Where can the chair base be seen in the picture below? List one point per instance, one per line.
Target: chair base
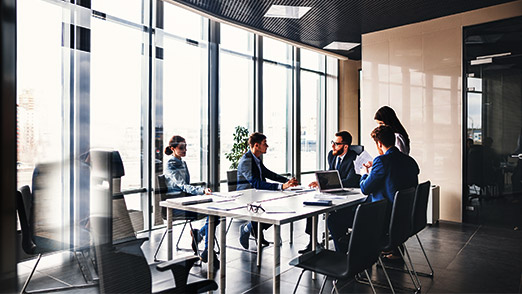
(83, 267)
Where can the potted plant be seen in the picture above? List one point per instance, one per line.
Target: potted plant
(238, 149)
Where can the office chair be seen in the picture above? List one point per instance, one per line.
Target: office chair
(419, 220)
(162, 191)
(400, 228)
(125, 269)
(364, 249)
(357, 148)
(40, 246)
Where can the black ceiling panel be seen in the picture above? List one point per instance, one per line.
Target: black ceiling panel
(334, 20)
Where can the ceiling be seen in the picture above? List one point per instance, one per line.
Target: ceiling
(334, 20)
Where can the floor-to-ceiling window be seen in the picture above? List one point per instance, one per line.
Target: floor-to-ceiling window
(236, 88)
(312, 111)
(93, 77)
(277, 103)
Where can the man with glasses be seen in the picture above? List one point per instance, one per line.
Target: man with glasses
(339, 158)
(252, 173)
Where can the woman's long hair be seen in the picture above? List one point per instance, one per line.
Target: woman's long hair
(387, 115)
(174, 142)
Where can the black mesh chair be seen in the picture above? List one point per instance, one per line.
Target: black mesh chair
(358, 149)
(125, 269)
(162, 190)
(400, 229)
(419, 217)
(24, 207)
(364, 249)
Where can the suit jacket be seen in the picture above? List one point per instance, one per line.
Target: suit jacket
(391, 172)
(248, 175)
(347, 172)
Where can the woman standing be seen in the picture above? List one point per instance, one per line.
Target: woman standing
(178, 182)
(386, 116)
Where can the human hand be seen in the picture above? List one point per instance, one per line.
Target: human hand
(313, 184)
(291, 183)
(207, 191)
(367, 166)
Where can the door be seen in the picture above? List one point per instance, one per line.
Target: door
(493, 112)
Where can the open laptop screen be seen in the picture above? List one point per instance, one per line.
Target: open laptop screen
(328, 180)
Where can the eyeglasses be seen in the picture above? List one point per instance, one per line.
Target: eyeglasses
(182, 146)
(255, 208)
(337, 144)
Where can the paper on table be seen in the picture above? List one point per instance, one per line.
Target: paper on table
(278, 209)
(227, 194)
(364, 157)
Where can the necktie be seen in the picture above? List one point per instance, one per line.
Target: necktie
(338, 163)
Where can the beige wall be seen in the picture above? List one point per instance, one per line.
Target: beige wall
(417, 70)
(349, 97)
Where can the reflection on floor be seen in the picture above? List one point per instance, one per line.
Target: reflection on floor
(500, 210)
(466, 259)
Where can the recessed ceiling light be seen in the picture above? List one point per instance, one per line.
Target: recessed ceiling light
(341, 46)
(287, 11)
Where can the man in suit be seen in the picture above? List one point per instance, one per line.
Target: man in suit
(390, 172)
(252, 173)
(339, 158)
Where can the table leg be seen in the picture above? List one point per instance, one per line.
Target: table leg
(326, 232)
(211, 232)
(169, 233)
(259, 246)
(314, 238)
(223, 254)
(277, 259)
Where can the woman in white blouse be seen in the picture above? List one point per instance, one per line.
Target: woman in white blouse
(386, 116)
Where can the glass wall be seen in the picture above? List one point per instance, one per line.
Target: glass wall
(277, 104)
(236, 88)
(110, 82)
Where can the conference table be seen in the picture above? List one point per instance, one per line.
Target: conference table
(278, 208)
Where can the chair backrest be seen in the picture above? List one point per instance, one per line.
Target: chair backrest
(400, 221)
(120, 269)
(232, 180)
(420, 207)
(357, 148)
(23, 206)
(367, 236)
(162, 191)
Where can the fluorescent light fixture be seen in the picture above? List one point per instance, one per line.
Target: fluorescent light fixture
(287, 11)
(481, 61)
(346, 46)
(494, 55)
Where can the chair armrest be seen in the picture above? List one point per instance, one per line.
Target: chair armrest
(185, 261)
(180, 268)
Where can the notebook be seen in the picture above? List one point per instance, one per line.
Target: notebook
(329, 181)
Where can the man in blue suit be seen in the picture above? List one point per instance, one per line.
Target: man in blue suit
(339, 158)
(390, 172)
(252, 173)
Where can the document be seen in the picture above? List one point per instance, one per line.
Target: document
(229, 205)
(227, 194)
(362, 158)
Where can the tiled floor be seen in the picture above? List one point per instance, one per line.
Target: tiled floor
(466, 259)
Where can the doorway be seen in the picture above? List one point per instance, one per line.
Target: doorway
(493, 123)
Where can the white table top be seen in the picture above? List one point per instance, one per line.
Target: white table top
(281, 206)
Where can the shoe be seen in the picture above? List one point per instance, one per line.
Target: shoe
(392, 258)
(309, 248)
(306, 249)
(264, 242)
(204, 258)
(196, 239)
(243, 236)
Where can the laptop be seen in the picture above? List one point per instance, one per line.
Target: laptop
(329, 181)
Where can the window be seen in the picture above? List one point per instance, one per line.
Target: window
(236, 88)
(277, 104)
